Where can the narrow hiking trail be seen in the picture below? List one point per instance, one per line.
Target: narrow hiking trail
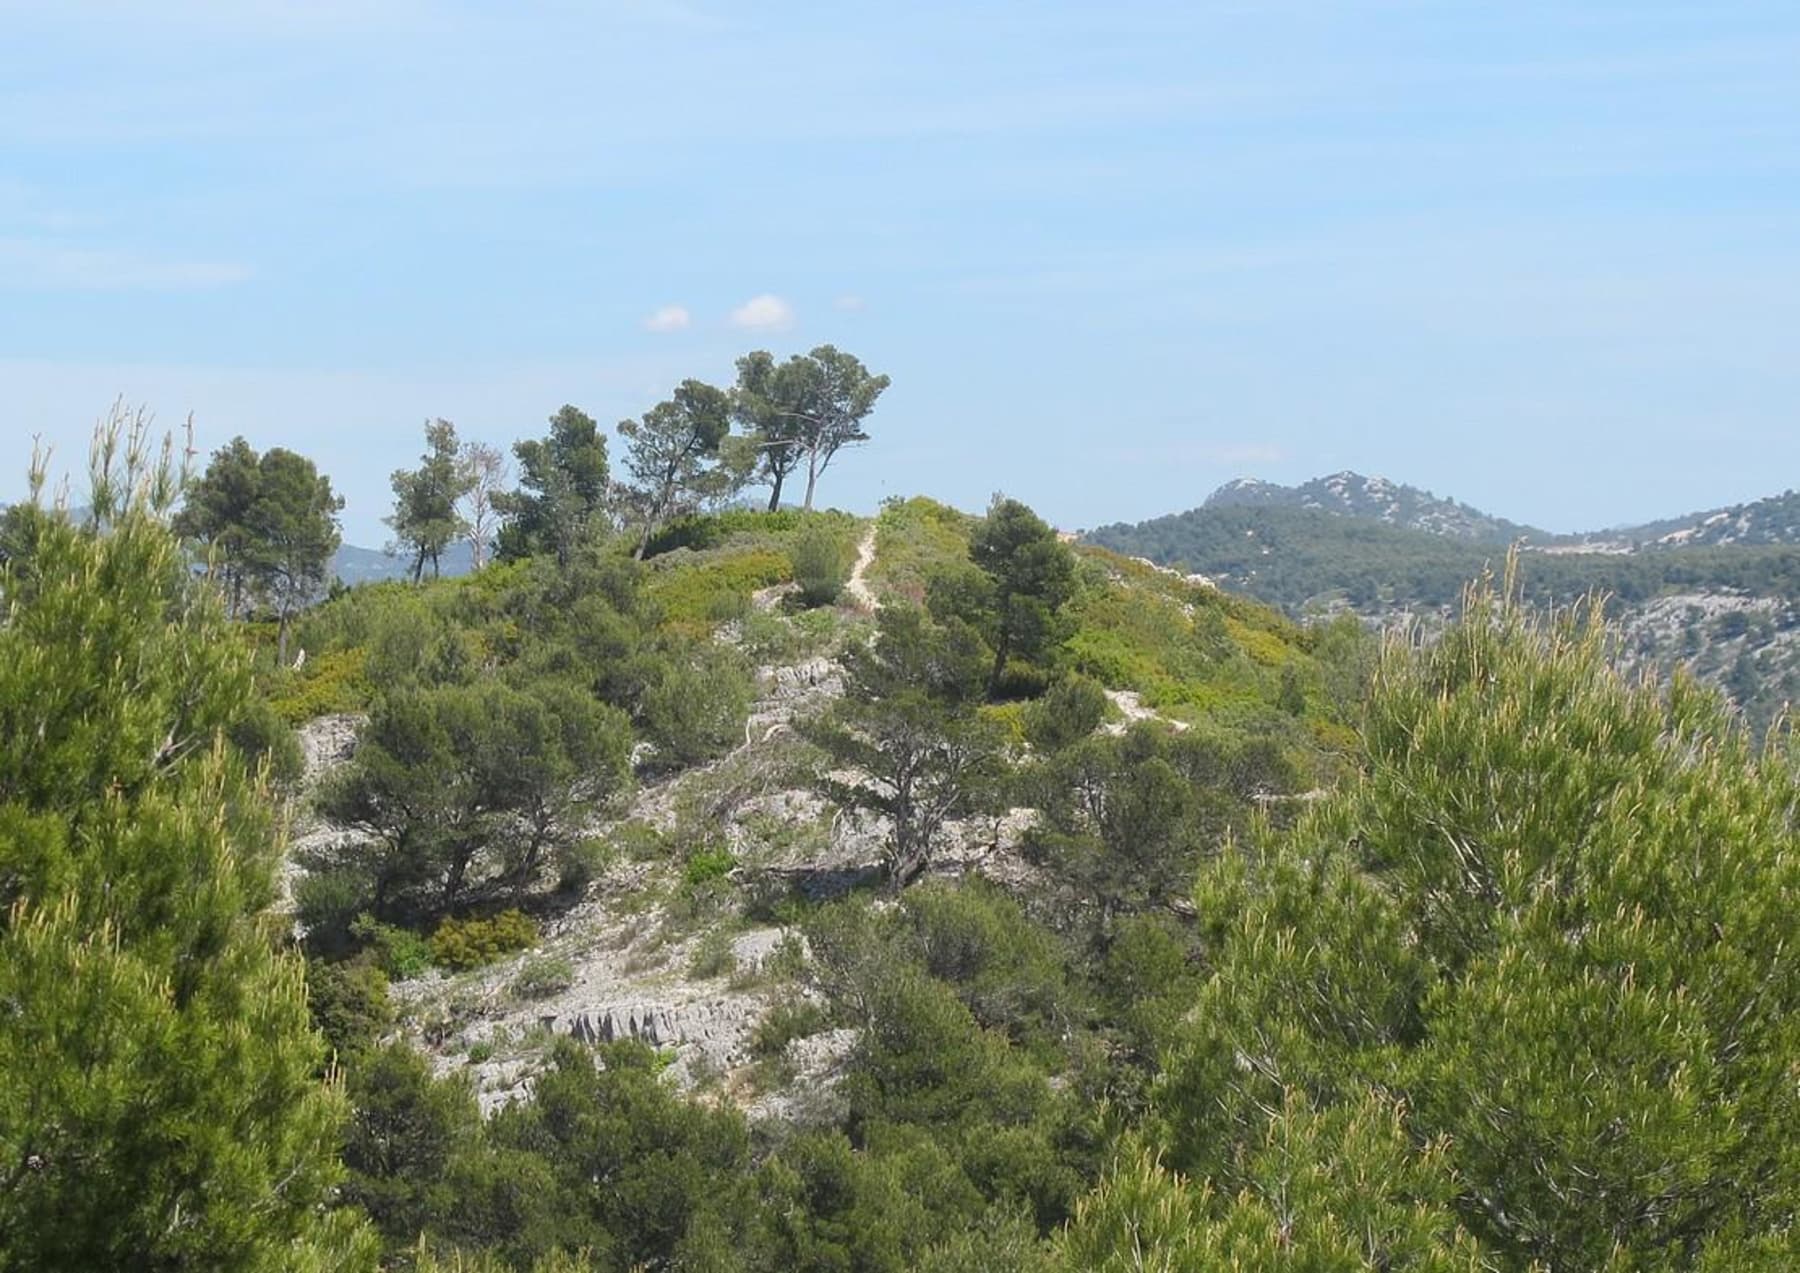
(858, 586)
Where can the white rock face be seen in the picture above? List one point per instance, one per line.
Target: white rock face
(813, 1098)
(326, 743)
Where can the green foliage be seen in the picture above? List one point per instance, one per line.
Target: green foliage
(580, 862)
(922, 1059)
(292, 533)
(159, 1099)
(1013, 593)
(425, 517)
(562, 490)
(707, 863)
(713, 957)
(819, 566)
(460, 944)
(1009, 971)
(350, 1004)
(789, 1019)
(410, 1135)
(448, 778)
(333, 684)
(736, 527)
(1292, 556)
(1547, 920)
(695, 709)
(216, 515)
(399, 952)
(542, 977)
(907, 721)
(262, 737)
(1336, 1189)
(915, 540)
(801, 413)
(676, 458)
(1070, 712)
(699, 594)
(674, 1171)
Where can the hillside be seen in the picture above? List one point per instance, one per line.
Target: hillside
(1773, 520)
(707, 862)
(1728, 609)
(1375, 499)
(889, 895)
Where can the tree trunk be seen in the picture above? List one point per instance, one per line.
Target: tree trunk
(1001, 650)
(281, 633)
(528, 864)
(775, 495)
(812, 477)
(453, 879)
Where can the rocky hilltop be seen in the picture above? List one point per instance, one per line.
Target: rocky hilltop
(1378, 499)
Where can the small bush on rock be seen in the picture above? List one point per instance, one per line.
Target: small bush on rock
(460, 944)
(818, 561)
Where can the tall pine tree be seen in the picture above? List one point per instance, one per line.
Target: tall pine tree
(160, 1105)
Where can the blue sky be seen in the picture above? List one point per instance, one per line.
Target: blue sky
(1543, 256)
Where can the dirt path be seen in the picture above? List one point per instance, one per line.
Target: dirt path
(858, 586)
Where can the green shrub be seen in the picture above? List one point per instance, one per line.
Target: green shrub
(696, 708)
(332, 684)
(694, 595)
(640, 841)
(789, 1019)
(460, 944)
(350, 1004)
(400, 952)
(327, 903)
(713, 957)
(542, 977)
(1021, 681)
(581, 862)
(770, 637)
(707, 864)
(917, 538)
(818, 565)
(701, 532)
(1071, 711)
(262, 735)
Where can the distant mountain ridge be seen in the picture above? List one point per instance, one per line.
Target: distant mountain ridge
(1349, 494)
(1716, 592)
(1775, 519)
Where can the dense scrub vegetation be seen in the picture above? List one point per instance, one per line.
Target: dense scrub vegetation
(1469, 957)
(1290, 557)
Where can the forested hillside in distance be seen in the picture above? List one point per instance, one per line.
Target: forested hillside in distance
(1379, 500)
(700, 887)
(1729, 612)
(1290, 557)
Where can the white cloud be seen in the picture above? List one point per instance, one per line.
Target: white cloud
(670, 318)
(765, 313)
(850, 303)
(50, 265)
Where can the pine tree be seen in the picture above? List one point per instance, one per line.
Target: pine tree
(563, 485)
(159, 1100)
(1552, 922)
(426, 514)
